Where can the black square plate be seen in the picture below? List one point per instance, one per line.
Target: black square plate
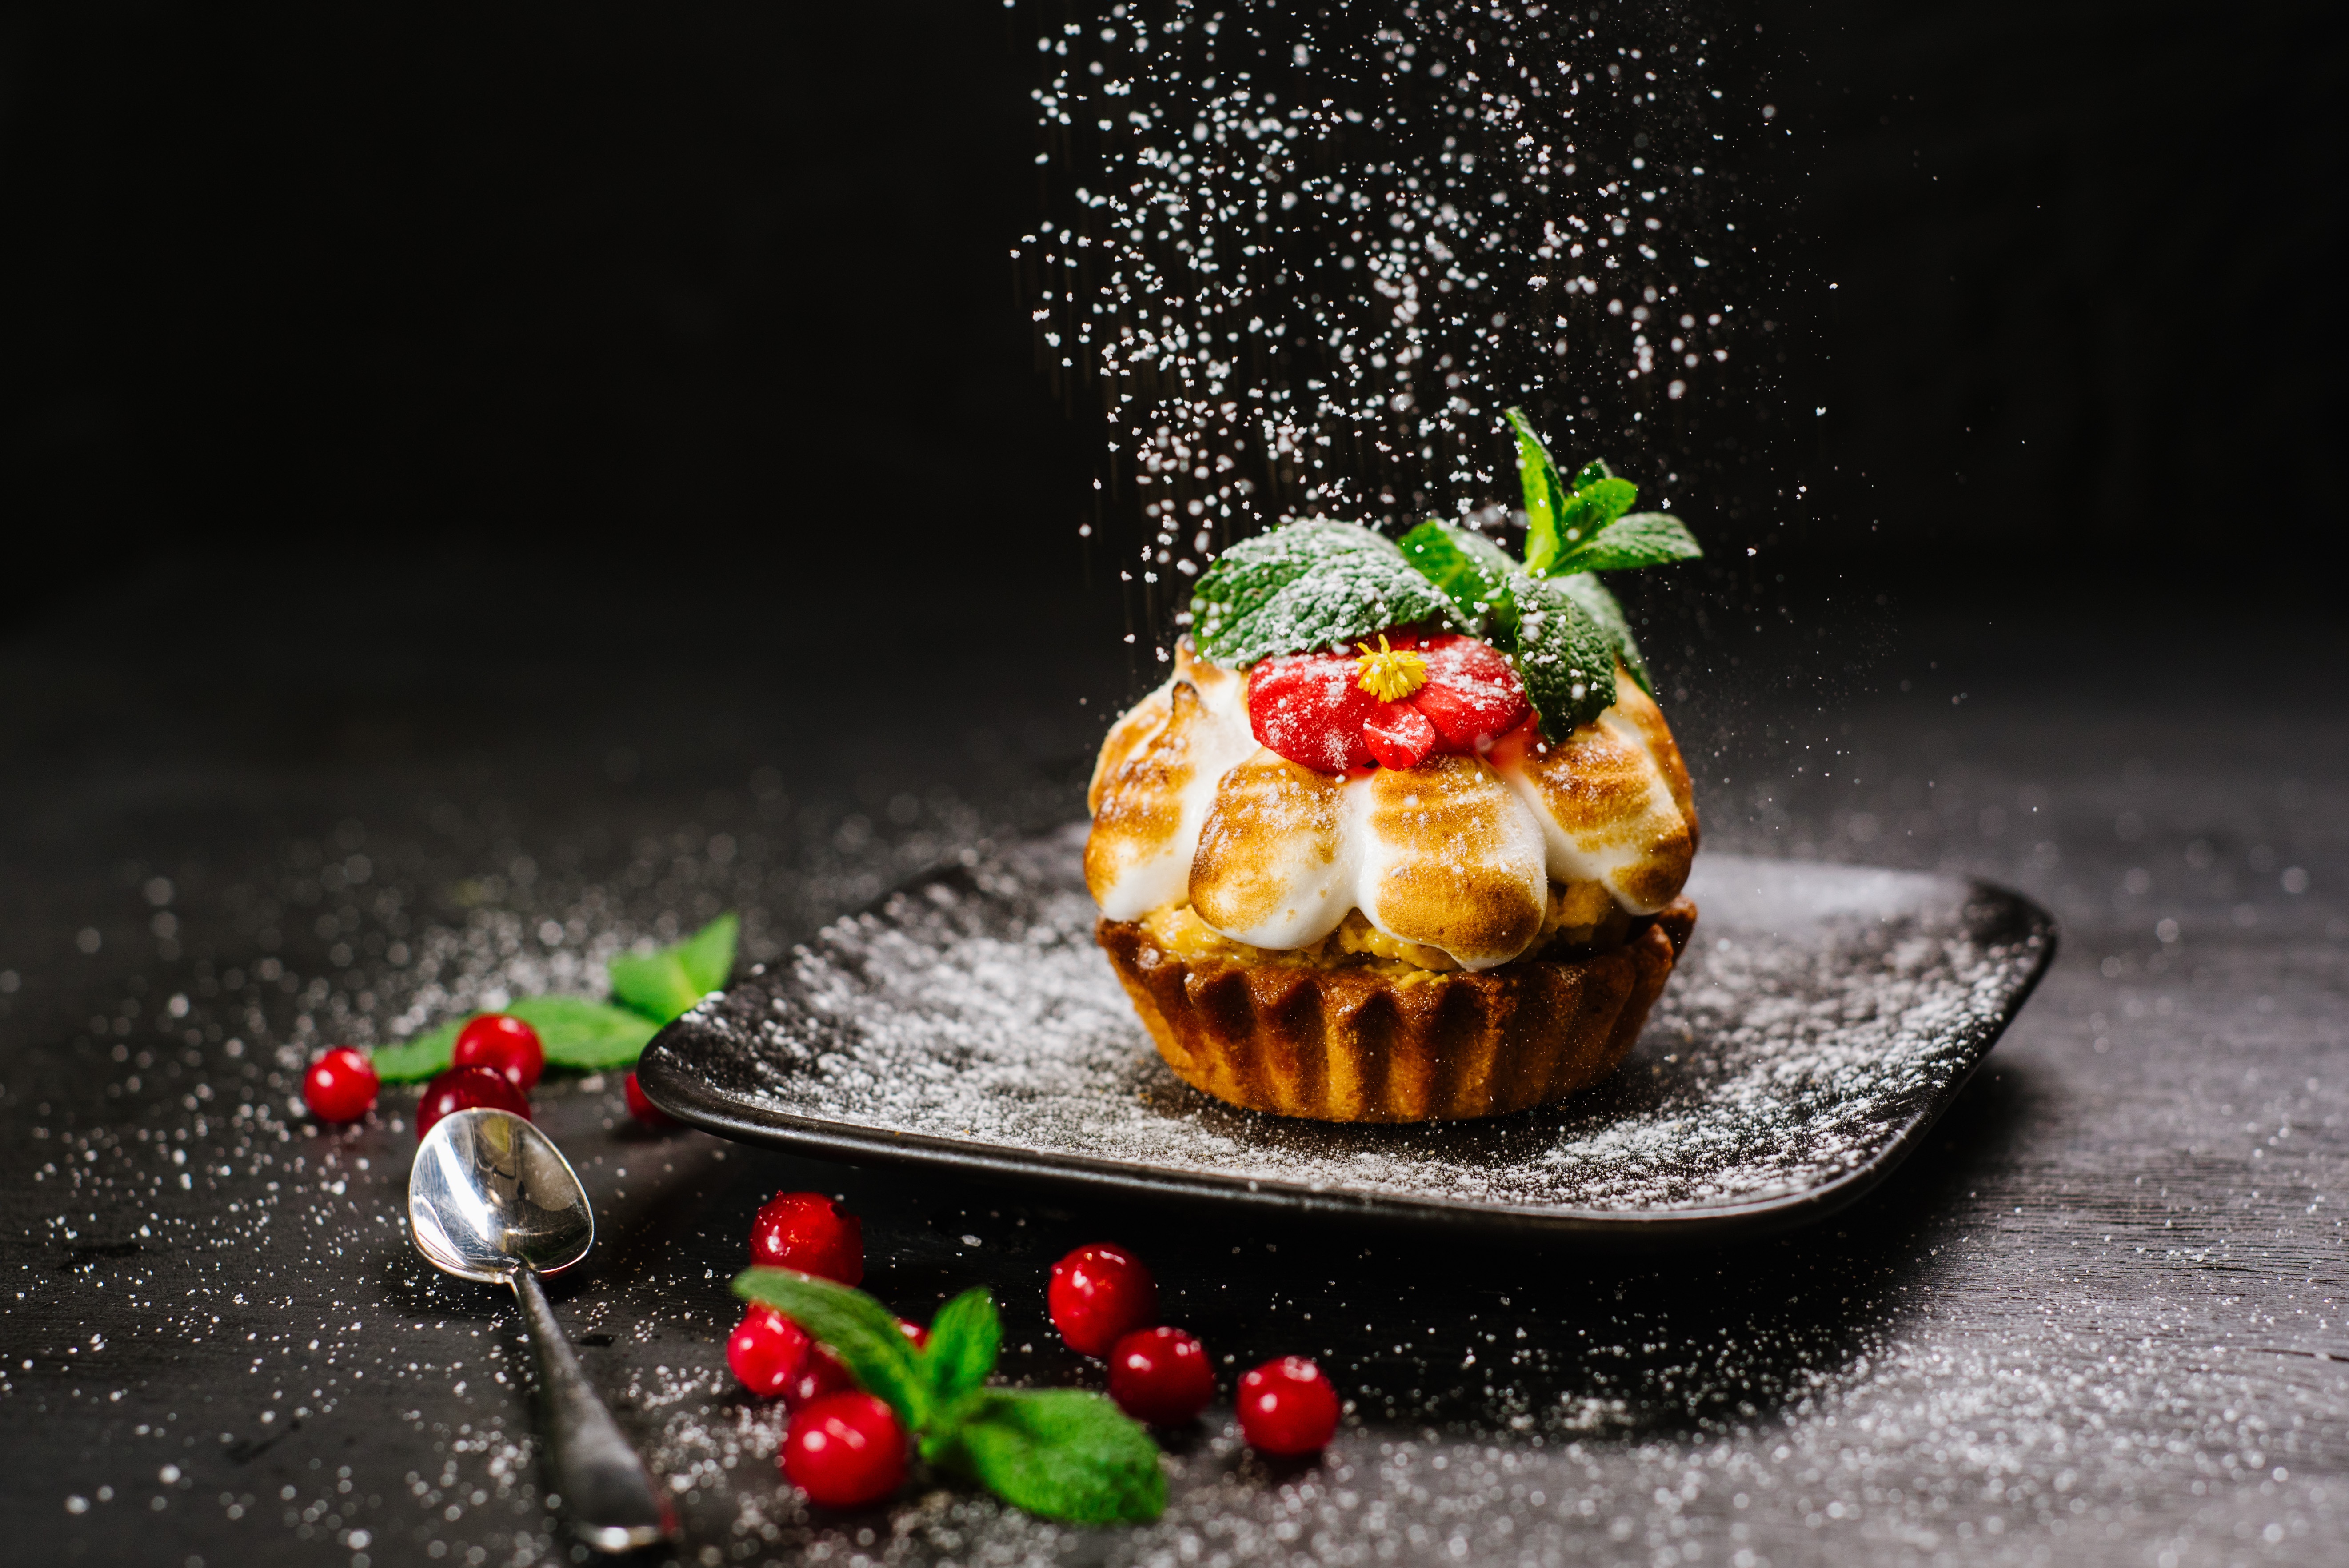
(1821, 1019)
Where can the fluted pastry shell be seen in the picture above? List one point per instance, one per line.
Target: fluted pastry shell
(1378, 1043)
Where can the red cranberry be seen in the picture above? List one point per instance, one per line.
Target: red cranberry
(1161, 1376)
(845, 1451)
(1097, 1296)
(501, 1041)
(340, 1086)
(766, 1351)
(819, 1375)
(802, 1231)
(1472, 696)
(915, 1332)
(1286, 1406)
(1399, 735)
(641, 1106)
(1309, 708)
(463, 1088)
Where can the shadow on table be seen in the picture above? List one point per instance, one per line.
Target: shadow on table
(1467, 1336)
(1485, 1336)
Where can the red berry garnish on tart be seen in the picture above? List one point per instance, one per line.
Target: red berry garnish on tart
(340, 1086)
(503, 1042)
(1286, 1406)
(1411, 697)
(1161, 1376)
(820, 1374)
(766, 1351)
(464, 1088)
(641, 1106)
(1309, 708)
(1099, 1295)
(845, 1451)
(803, 1230)
(1472, 696)
(1399, 735)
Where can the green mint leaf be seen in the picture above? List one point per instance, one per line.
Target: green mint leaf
(1564, 657)
(854, 1327)
(1588, 511)
(1546, 499)
(1307, 586)
(1471, 570)
(1600, 607)
(583, 1036)
(708, 955)
(1592, 472)
(665, 984)
(1059, 1453)
(588, 1036)
(418, 1057)
(964, 1339)
(1642, 539)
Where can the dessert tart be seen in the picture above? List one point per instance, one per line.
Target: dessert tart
(1404, 835)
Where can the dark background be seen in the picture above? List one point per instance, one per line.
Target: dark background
(592, 302)
(554, 440)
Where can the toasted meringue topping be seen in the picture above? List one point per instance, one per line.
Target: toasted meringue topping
(1271, 869)
(1147, 827)
(1451, 861)
(1462, 854)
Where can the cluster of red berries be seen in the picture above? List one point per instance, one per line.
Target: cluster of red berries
(1103, 1300)
(496, 1059)
(844, 1447)
(495, 1062)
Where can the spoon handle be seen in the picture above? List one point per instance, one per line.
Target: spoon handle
(611, 1499)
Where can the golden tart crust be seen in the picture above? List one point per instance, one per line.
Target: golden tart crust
(1363, 1042)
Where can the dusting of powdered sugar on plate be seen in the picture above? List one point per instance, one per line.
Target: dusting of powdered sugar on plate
(1819, 1014)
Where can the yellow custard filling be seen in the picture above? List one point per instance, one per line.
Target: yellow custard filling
(1581, 915)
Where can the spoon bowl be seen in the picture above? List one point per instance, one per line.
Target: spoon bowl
(489, 1191)
(491, 1199)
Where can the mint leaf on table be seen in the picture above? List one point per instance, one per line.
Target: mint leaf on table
(1062, 1453)
(1641, 539)
(578, 1034)
(1307, 586)
(859, 1330)
(1471, 570)
(965, 1336)
(664, 984)
(420, 1056)
(1564, 657)
(586, 1036)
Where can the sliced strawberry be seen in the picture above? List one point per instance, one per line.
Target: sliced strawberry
(1472, 696)
(1309, 708)
(1399, 735)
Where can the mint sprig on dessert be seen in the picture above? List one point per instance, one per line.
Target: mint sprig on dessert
(1308, 586)
(586, 1036)
(1322, 584)
(1062, 1453)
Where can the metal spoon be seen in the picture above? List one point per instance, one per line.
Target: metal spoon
(489, 1198)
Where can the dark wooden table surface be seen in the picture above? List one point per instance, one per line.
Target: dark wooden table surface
(2100, 1319)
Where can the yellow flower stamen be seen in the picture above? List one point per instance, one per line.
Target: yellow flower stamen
(1390, 675)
